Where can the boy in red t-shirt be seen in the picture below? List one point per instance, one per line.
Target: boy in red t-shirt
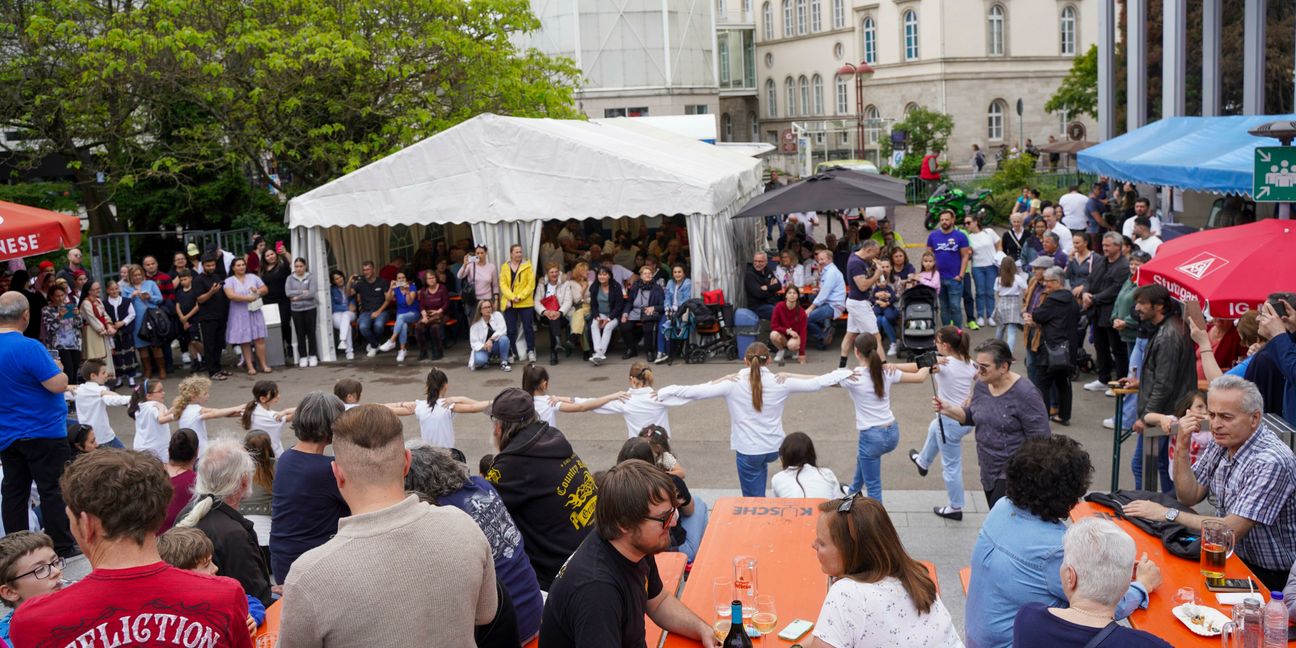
(116, 501)
(190, 549)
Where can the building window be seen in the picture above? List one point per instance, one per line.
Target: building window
(872, 124)
(995, 35)
(805, 95)
(845, 137)
(870, 40)
(910, 107)
(755, 126)
(911, 35)
(839, 13)
(842, 93)
(818, 139)
(817, 87)
(771, 99)
(722, 49)
(816, 15)
(747, 12)
(625, 112)
(721, 9)
(801, 16)
(787, 18)
(790, 91)
(772, 137)
(726, 128)
(767, 17)
(1068, 31)
(696, 109)
(995, 120)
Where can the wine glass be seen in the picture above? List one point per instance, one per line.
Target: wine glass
(765, 618)
(723, 596)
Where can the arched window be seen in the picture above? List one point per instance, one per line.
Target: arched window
(1068, 35)
(995, 31)
(817, 90)
(995, 120)
(911, 35)
(839, 13)
(842, 92)
(805, 95)
(910, 107)
(872, 124)
(726, 128)
(789, 87)
(870, 40)
(787, 18)
(801, 16)
(755, 127)
(816, 15)
(771, 99)
(767, 18)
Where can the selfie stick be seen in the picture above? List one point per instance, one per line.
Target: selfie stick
(940, 418)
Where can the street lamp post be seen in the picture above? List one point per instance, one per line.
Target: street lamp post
(861, 72)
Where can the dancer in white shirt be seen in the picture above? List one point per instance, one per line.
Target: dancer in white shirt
(436, 410)
(535, 381)
(93, 400)
(258, 415)
(642, 407)
(190, 408)
(152, 419)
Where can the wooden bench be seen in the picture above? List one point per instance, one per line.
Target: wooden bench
(931, 571)
(965, 577)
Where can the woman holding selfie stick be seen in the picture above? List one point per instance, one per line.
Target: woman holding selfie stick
(952, 379)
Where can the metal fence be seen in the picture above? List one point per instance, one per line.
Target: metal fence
(918, 190)
(109, 252)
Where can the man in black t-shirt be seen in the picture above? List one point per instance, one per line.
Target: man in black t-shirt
(372, 316)
(213, 310)
(601, 595)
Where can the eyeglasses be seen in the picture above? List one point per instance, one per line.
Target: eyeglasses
(43, 570)
(982, 367)
(667, 521)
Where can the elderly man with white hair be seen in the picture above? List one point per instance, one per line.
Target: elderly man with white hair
(1250, 476)
(1096, 559)
(224, 479)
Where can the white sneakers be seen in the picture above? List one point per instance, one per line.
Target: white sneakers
(387, 346)
(1109, 423)
(891, 350)
(661, 358)
(342, 345)
(301, 364)
(530, 356)
(350, 355)
(313, 361)
(1095, 386)
(981, 321)
(992, 321)
(778, 357)
(400, 356)
(184, 357)
(503, 365)
(371, 352)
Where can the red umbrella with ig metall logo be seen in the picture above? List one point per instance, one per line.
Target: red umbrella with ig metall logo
(1229, 270)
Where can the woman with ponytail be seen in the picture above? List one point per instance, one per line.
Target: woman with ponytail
(953, 377)
(642, 407)
(191, 411)
(257, 414)
(152, 432)
(436, 411)
(755, 397)
(535, 381)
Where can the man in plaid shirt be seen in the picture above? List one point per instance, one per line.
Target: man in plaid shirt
(1249, 475)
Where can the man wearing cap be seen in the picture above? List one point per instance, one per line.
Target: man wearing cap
(545, 486)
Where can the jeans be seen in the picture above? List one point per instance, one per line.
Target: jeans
(985, 277)
(115, 443)
(516, 317)
(819, 322)
(342, 322)
(886, 319)
(374, 329)
(404, 322)
(951, 452)
(1008, 334)
(752, 472)
(951, 302)
(873, 443)
(41, 461)
(763, 311)
(693, 525)
(499, 349)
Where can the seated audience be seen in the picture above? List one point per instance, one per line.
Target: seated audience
(488, 337)
(192, 551)
(641, 315)
(687, 535)
(431, 560)
(305, 503)
(611, 581)
(880, 596)
(1018, 554)
(788, 327)
(182, 454)
(1096, 555)
(801, 475)
(761, 286)
(28, 567)
(116, 500)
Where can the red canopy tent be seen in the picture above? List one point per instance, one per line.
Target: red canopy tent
(1230, 270)
(28, 231)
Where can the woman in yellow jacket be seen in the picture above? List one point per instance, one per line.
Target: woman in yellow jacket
(517, 298)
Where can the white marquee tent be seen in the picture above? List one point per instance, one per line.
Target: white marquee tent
(505, 176)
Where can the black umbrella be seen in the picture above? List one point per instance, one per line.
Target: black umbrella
(835, 188)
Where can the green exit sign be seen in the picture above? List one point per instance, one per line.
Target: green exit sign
(1275, 174)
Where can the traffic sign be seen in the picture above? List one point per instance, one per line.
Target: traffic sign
(1275, 174)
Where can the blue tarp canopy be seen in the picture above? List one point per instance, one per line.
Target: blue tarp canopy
(1214, 154)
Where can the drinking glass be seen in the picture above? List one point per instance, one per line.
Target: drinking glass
(1216, 546)
(1185, 595)
(723, 595)
(267, 640)
(766, 618)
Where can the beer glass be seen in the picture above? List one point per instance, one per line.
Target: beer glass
(1216, 547)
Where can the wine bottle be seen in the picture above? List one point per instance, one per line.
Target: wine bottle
(737, 637)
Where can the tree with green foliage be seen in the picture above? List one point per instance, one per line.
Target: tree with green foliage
(926, 130)
(1078, 93)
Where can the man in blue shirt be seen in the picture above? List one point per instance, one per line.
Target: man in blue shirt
(953, 253)
(829, 303)
(33, 426)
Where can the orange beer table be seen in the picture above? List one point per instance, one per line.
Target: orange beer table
(1177, 572)
(778, 533)
(268, 634)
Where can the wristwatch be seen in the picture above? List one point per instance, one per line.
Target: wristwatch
(1171, 514)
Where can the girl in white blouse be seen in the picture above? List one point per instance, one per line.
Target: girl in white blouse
(436, 411)
(801, 475)
(755, 397)
(190, 408)
(258, 415)
(152, 432)
(535, 381)
(643, 407)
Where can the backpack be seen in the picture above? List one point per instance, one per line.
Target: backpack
(698, 312)
(156, 327)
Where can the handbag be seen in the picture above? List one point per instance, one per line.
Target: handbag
(550, 303)
(156, 327)
(255, 305)
(1057, 356)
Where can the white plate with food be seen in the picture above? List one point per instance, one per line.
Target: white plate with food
(1201, 619)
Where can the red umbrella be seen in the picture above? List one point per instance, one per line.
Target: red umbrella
(1230, 270)
(28, 231)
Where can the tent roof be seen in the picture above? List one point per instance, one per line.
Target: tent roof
(493, 169)
(1214, 154)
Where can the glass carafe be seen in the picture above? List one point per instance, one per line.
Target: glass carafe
(744, 583)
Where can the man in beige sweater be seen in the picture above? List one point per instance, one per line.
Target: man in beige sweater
(399, 572)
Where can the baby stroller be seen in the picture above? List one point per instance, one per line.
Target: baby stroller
(711, 331)
(677, 330)
(919, 319)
